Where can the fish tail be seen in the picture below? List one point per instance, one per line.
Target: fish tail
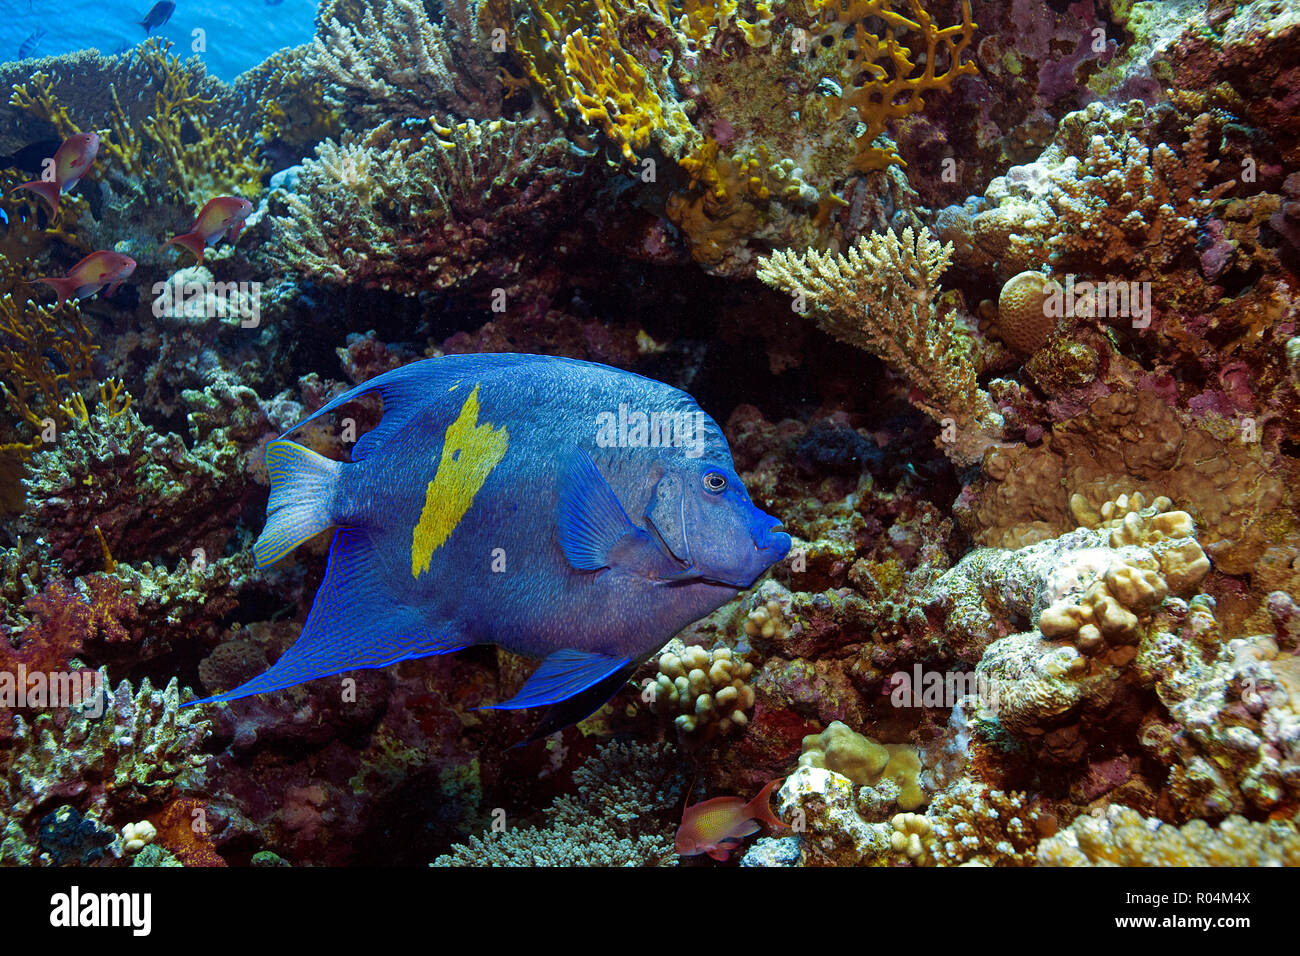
(302, 487)
(759, 807)
(188, 240)
(47, 190)
(63, 286)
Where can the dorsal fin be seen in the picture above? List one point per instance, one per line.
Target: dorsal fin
(404, 390)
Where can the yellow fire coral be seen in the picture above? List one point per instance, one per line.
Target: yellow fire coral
(885, 80)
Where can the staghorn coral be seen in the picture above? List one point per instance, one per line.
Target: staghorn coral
(424, 206)
(617, 817)
(393, 61)
(709, 691)
(1121, 836)
(881, 297)
(142, 750)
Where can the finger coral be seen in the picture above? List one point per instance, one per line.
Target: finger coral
(707, 690)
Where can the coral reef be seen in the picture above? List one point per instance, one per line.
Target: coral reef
(1123, 837)
(426, 206)
(615, 819)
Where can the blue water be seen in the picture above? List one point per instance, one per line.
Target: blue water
(239, 33)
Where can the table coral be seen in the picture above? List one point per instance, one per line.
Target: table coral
(393, 61)
(1120, 836)
(881, 297)
(426, 206)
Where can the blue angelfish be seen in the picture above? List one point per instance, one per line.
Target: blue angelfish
(560, 509)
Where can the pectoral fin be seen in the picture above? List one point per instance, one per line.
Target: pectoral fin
(563, 675)
(589, 519)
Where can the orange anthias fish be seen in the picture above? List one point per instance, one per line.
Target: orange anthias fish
(72, 160)
(91, 274)
(718, 826)
(224, 215)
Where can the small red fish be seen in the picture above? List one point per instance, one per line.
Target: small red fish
(91, 274)
(72, 160)
(718, 826)
(223, 215)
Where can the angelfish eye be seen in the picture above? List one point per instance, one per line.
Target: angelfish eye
(715, 483)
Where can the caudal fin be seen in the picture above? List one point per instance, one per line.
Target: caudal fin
(760, 809)
(47, 190)
(64, 287)
(302, 487)
(189, 240)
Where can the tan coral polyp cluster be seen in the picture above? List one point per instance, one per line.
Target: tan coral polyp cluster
(708, 690)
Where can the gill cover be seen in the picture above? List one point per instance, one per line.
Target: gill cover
(667, 515)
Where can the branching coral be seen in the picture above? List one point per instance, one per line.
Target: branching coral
(183, 151)
(395, 62)
(882, 297)
(427, 206)
(1120, 836)
(48, 355)
(146, 492)
(143, 749)
(618, 817)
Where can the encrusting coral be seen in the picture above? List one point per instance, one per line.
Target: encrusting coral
(882, 296)
(1121, 836)
(843, 750)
